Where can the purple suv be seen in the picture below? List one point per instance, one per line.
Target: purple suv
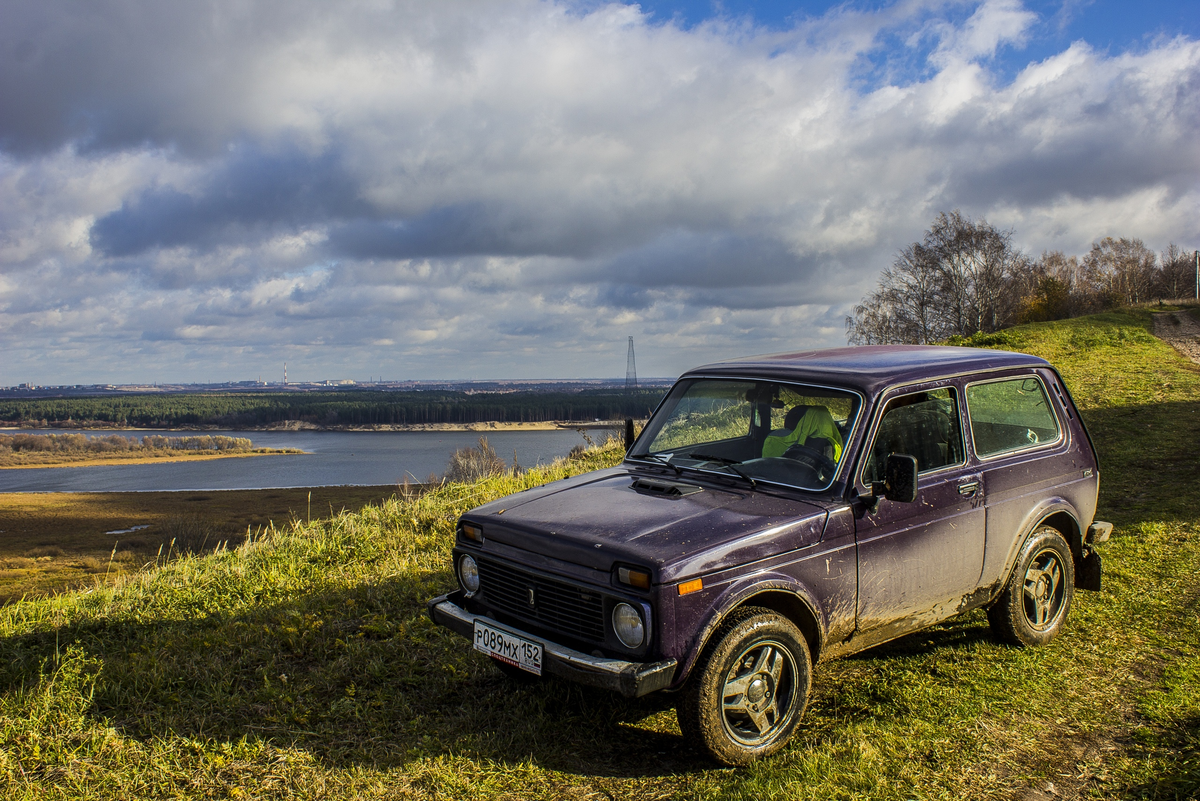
(781, 510)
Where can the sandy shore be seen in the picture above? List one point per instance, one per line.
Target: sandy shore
(483, 427)
(491, 426)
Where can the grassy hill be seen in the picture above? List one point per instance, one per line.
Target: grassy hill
(301, 664)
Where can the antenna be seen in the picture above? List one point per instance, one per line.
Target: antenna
(630, 369)
(285, 374)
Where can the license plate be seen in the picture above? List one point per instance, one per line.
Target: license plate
(508, 647)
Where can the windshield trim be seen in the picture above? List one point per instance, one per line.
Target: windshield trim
(842, 467)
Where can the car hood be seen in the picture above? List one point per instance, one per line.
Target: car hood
(622, 515)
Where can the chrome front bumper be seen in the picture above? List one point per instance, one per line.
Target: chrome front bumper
(630, 679)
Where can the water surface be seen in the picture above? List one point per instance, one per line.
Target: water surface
(331, 458)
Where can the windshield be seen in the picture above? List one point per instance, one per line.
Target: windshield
(759, 430)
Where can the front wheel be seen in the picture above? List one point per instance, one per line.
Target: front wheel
(1034, 604)
(749, 688)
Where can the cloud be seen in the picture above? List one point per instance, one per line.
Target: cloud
(993, 23)
(512, 188)
(247, 196)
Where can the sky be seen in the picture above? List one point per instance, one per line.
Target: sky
(203, 191)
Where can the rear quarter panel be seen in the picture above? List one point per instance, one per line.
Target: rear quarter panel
(1024, 488)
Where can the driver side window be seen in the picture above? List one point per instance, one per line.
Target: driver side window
(921, 424)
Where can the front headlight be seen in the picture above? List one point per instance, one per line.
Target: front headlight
(468, 574)
(627, 623)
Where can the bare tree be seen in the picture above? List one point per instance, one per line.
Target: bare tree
(1126, 270)
(904, 308)
(956, 281)
(1177, 278)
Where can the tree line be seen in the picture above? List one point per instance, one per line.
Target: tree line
(966, 277)
(78, 443)
(344, 408)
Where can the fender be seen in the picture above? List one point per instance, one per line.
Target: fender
(745, 589)
(1039, 514)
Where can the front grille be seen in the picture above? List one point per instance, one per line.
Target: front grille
(567, 608)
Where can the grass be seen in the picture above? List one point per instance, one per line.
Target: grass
(301, 663)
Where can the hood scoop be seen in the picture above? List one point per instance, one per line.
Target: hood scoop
(666, 489)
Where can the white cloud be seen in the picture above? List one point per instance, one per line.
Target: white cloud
(993, 24)
(512, 188)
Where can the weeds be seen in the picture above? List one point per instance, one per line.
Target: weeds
(468, 465)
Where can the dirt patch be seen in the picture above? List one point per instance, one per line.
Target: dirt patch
(1181, 331)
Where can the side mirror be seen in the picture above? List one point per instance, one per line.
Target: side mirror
(900, 478)
(628, 433)
(899, 481)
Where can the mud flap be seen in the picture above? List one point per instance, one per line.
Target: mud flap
(1087, 572)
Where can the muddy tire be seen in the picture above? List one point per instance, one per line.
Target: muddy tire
(749, 689)
(1034, 604)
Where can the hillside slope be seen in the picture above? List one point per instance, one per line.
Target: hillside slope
(302, 665)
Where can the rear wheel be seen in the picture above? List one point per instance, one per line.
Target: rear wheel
(1034, 604)
(749, 689)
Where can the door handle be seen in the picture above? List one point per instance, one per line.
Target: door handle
(968, 488)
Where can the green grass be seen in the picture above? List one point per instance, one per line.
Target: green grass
(301, 664)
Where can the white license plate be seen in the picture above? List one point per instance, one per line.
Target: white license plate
(508, 647)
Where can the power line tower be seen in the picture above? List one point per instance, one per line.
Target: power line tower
(630, 370)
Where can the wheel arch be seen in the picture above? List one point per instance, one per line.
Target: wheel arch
(1056, 512)
(777, 593)
(1067, 525)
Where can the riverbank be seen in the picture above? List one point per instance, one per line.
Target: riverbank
(482, 428)
(40, 459)
(51, 542)
(301, 425)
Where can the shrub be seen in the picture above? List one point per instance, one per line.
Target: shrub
(468, 465)
(52, 551)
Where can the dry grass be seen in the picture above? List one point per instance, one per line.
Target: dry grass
(53, 541)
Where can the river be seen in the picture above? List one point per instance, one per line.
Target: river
(331, 458)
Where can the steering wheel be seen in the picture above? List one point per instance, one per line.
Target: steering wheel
(811, 458)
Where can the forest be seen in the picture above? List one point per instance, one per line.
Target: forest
(330, 409)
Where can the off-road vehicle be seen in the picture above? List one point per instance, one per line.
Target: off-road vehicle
(777, 511)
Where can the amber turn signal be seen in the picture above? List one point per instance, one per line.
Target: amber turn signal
(472, 532)
(634, 577)
(695, 585)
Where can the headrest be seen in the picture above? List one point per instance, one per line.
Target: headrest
(793, 417)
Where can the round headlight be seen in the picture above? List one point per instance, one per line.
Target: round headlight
(627, 623)
(468, 574)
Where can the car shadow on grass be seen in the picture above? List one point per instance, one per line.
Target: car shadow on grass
(352, 677)
(363, 677)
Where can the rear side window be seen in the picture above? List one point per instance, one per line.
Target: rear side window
(1010, 415)
(920, 424)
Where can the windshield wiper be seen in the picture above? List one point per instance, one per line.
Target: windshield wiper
(663, 460)
(725, 461)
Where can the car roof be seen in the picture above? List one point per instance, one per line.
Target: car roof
(870, 368)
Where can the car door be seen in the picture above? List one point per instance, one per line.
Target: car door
(917, 561)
